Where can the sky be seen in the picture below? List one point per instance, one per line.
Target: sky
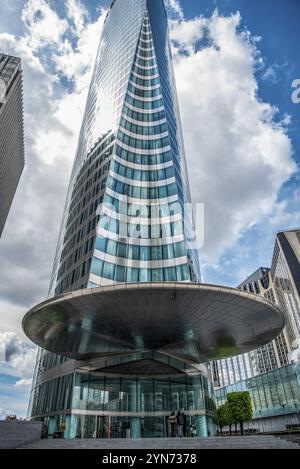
(235, 62)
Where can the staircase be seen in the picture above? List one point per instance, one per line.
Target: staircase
(233, 442)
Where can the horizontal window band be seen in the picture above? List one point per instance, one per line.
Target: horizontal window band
(145, 49)
(144, 100)
(144, 174)
(143, 137)
(143, 123)
(120, 274)
(154, 242)
(146, 41)
(138, 158)
(144, 111)
(145, 82)
(144, 105)
(145, 57)
(144, 88)
(159, 264)
(143, 144)
(144, 130)
(144, 116)
(137, 191)
(132, 220)
(143, 167)
(156, 151)
(137, 201)
(145, 67)
(133, 182)
(147, 77)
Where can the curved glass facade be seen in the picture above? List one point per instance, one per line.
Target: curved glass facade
(129, 185)
(97, 402)
(126, 215)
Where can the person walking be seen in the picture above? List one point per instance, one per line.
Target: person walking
(180, 423)
(173, 422)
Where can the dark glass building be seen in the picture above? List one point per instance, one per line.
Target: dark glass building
(279, 284)
(125, 220)
(11, 132)
(127, 324)
(275, 399)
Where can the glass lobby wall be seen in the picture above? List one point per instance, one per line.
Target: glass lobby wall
(97, 392)
(108, 395)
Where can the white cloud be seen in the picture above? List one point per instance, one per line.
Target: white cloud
(175, 8)
(23, 383)
(186, 33)
(238, 155)
(44, 27)
(20, 356)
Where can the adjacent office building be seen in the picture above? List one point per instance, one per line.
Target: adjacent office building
(285, 273)
(266, 358)
(275, 399)
(11, 132)
(272, 372)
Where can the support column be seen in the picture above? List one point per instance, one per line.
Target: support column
(71, 426)
(201, 426)
(200, 420)
(135, 422)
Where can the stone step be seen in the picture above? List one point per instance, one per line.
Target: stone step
(252, 442)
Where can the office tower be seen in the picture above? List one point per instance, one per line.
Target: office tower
(285, 273)
(11, 132)
(130, 313)
(279, 284)
(270, 356)
(275, 397)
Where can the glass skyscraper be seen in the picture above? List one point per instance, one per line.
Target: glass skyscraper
(129, 180)
(127, 324)
(125, 220)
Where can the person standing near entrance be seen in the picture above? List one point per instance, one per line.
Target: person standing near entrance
(173, 422)
(62, 427)
(180, 423)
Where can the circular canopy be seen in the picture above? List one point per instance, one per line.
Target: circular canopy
(194, 322)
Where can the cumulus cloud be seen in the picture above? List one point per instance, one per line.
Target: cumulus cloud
(19, 357)
(238, 151)
(175, 8)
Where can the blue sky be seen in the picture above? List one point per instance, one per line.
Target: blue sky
(234, 61)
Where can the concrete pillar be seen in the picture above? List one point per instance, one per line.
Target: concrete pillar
(135, 422)
(71, 426)
(201, 426)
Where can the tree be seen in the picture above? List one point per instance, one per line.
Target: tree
(240, 407)
(224, 417)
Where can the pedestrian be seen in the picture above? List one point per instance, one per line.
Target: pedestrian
(173, 422)
(180, 423)
(62, 427)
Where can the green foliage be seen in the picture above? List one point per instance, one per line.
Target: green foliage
(240, 406)
(224, 416)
